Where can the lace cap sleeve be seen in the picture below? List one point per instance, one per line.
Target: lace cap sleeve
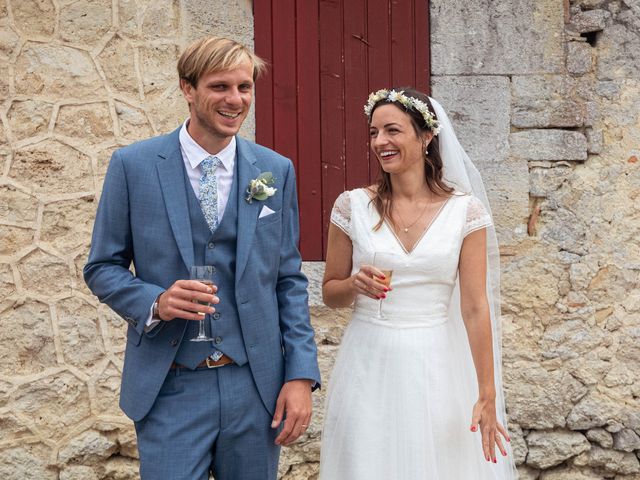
(477, 216)
(341, 213)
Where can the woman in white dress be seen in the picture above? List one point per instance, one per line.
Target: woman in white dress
(415, 392)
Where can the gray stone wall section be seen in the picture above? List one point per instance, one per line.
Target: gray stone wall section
(567, 175)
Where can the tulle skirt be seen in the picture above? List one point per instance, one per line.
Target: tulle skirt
(399, 406)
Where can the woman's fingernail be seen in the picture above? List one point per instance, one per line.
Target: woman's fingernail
(508, 439)
(495, 460)
(383, 296)
(386, 289)
(473, 428)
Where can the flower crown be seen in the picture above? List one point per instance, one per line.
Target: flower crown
(410, 103)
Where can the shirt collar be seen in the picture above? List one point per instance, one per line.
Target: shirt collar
(196, 154)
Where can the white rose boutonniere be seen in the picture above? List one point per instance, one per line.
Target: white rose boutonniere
(261, 188)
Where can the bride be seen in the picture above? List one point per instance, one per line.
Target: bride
(416, 389)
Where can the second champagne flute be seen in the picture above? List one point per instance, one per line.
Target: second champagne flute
(202, 274)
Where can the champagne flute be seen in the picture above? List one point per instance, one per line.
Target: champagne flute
(385, 262)
(202, 274)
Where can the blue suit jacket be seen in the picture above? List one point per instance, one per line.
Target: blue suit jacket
(143, 219)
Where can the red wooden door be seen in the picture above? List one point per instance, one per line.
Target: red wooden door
(325, 57)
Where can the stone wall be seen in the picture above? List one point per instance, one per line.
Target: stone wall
(79, 79)
(545, 97)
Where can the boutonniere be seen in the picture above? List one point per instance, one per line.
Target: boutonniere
(261, 188)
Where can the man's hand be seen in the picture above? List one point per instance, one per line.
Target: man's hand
(180, 300)
(294, 404)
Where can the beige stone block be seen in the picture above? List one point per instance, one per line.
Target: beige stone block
(555, 394)
(29, 118)
(78, 472)
(564, 473)
(34, 17)
(4, 141)
(26, 338)
(131, 14)
(27, 461)
(548, 449)
(104, 156)
(117, 62)
(116, 329)
(44, 274)
(57, 70)
(610, 460)
(82, 344)
(158, 69)
(4, 81)
(89, 447)
(8, 37)
(84, 23)
(302, 471)
(134, 123)
(7, 283)
(13, 239)
(52, 167)
(169, 111)
(161, 20)
(13, 430)
(89, 122)
(120, 468)
(67, 225)
(5, 390)
(55, 403)
(78, 282)
(16, 206)
(107, 387)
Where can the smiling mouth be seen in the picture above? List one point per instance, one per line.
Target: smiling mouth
(229, 114)
(387, 154)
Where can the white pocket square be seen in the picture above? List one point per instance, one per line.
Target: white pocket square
(265, 211)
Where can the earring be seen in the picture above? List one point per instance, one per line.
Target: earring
(426, 152)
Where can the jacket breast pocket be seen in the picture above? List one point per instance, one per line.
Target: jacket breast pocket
(269, 219)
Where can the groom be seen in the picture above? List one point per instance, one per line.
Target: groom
(203, 196)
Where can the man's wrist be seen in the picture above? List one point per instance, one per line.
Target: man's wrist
(156, 308)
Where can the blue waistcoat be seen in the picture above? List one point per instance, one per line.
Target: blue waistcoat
(218, 250)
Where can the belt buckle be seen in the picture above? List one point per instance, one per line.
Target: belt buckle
(210, 362)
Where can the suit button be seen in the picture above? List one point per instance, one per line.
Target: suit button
(174, 342)
(218, 340)
(211, 245)
(216, 316)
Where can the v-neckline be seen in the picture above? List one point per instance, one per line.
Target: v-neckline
(424, 232)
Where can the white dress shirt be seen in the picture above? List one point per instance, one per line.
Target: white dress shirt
(192, 156)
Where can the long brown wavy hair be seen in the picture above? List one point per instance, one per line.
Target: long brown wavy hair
(382, 191)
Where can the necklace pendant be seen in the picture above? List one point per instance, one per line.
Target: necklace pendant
(406, 230)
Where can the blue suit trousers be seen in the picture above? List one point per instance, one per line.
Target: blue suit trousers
(208, 420)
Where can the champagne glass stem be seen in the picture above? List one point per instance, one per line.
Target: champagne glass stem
(201, 333)
(380, 308)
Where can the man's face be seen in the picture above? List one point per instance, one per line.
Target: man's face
(221, 101)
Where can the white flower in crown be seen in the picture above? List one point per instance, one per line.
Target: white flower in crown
(410, 103)
(260, 188)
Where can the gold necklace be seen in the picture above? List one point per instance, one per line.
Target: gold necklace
(407, 227)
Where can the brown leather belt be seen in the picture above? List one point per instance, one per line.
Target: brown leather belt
(207, 362)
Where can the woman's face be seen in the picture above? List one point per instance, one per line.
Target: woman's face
(394, 140)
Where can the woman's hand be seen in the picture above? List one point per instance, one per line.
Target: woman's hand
(367, 282)
(484, 416)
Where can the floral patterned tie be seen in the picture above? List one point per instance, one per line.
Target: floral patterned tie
(209, 191)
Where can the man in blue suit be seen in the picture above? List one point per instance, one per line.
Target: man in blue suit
(203, 196)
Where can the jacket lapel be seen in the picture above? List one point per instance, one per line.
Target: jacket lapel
(247, 212)
(171, 175)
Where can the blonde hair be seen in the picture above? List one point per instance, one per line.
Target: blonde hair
(215, 54)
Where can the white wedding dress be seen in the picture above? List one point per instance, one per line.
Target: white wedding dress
(402, 389)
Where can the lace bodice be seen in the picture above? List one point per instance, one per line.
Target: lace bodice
(429, 271)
